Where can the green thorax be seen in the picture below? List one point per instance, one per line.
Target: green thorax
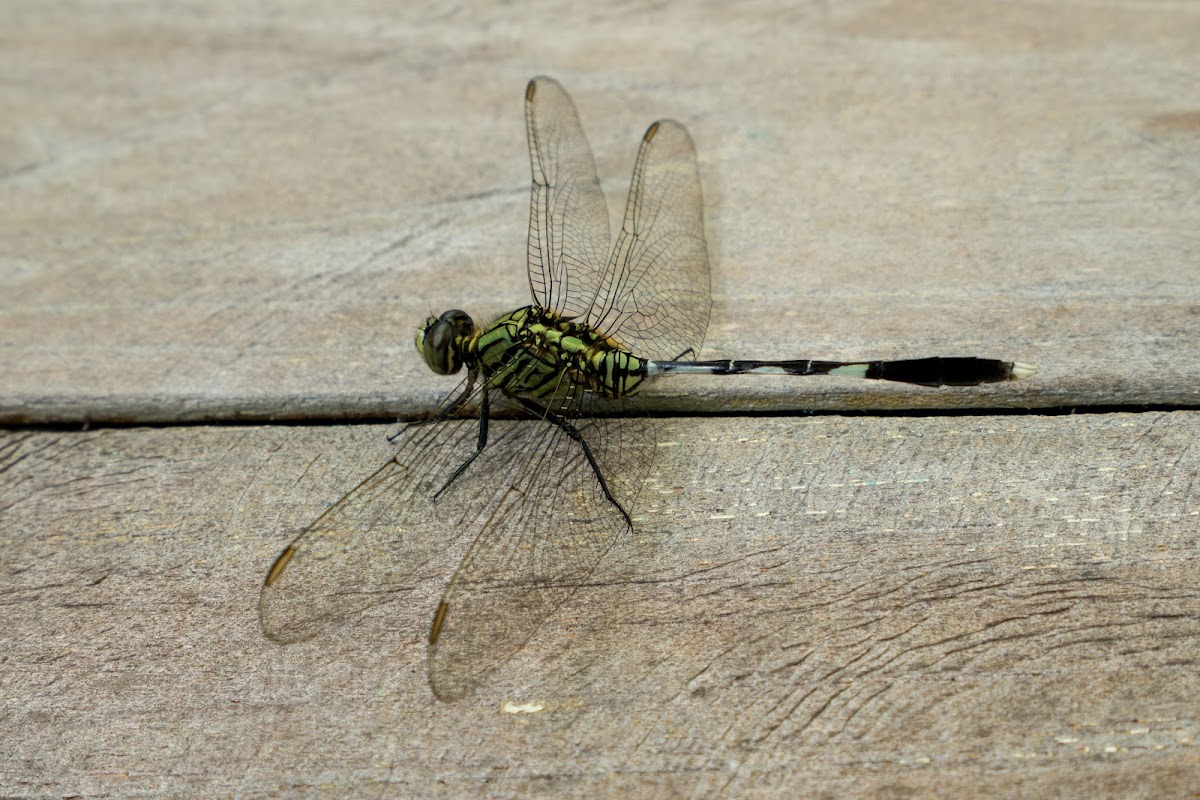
(535, 352)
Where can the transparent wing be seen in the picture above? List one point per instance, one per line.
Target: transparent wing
(549, 526)
(530, 506)
(656, 294)
(568, 218)
(369, 545)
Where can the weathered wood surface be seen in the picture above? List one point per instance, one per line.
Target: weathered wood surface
(247, 215)
(916, 607)
(244, 213)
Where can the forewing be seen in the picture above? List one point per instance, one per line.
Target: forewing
(551, 526)
(568, 218)
(657, 297)
(369, 545)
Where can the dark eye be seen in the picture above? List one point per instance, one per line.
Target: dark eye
(437, 341)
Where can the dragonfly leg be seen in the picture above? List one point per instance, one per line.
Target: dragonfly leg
(573, 432)
(450, 410)
(480, 443)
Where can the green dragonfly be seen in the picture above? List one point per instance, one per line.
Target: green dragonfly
(539, 481)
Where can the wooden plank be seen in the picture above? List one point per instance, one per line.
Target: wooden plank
(820, 605)
(249, 219)
(243, 215)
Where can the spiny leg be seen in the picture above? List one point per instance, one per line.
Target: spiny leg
(480, 443)
(573, 432)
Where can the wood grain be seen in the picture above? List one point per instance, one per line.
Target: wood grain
(250, 222)
(243, 213)
(922, 606)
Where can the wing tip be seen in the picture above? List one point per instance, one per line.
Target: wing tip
(670, 130)
(439, 619)
(280, 564)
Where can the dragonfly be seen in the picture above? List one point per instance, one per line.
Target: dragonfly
(532, 466)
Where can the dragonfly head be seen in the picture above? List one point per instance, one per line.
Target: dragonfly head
(441, 340)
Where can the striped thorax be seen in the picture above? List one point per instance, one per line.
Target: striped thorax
(531, 352)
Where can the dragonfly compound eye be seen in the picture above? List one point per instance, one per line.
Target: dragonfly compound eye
(439, 341)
